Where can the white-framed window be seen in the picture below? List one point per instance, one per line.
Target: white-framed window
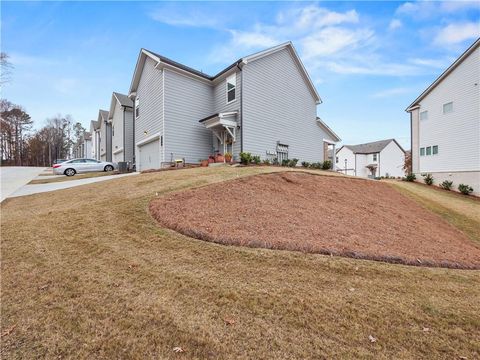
(424, 115)
(231, 85)
(435, 149)
(113, 130)
(428, 150)
(137, 107)
(336, 159)
(448, 107)
(374, 157)
(422, 151)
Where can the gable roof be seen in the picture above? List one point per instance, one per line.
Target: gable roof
(102, 116)
(327, 129)
(371, 147)
(447, 72)
(160, 59)
(95, 125)
(87, 135)
(123, 100)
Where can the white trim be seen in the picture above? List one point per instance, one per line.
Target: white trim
(164, 65)
(232, 76)
(162, 146)
(148, 139)
(118, 151)
(328, 130)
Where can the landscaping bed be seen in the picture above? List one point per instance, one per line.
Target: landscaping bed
(318, 214)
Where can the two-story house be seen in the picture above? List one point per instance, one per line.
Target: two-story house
(265, 104)
(95, 135)
(374, 159)
(105, 132)
(445, 124)
(121, 119)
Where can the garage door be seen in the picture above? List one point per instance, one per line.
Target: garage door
(118, 157)
(149, 156)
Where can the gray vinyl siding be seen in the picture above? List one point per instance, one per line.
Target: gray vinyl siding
(108, 130)
(186, 102)
(150, 94)
(117, 127)
(220, 105)
(128, 149)
(278, 106)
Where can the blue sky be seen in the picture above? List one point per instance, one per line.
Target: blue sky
(368, 60)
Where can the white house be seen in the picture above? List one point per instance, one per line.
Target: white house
(105, 132)
(121, 118)
(445, 124)
(95, 139)
(375, 159)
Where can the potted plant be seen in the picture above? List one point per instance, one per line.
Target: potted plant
(228, 157)
(219, 158)
(211, 159)
(203, 162)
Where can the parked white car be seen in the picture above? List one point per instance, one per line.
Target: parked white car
(72, 167)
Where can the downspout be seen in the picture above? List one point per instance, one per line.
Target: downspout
(241, 108)
(124, 147)
(355, 170)
(379, 172)
(411, 143)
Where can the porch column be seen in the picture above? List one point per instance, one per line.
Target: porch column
(334, 158)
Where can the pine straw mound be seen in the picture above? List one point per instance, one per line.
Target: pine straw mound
(318, 214)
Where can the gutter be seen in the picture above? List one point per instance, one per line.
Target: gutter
(123, 134)
(241, 107)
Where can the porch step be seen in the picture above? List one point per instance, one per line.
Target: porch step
(217, 164)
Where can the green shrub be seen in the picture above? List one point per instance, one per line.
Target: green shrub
(292, 163)
(410, 177)
(256, 159)
(465, 189)
(266, 162)
(326, 165)
(317, 165)
(305, 164)
(447, 185)
(428, 179)
(285, 162)
(275, 161)
(245, 158)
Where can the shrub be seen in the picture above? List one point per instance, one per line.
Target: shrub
(266, 162)
(317, 165)
(326, 165)
(292, 163)
(428, 179)
(447, 185)
(275, 161)
(245, 158)
(285, 162)
(465, 189)
(305, 164)
(410, 177)
(256, 159)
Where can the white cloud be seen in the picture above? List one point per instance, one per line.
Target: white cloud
(395, 24)
(457, 33)
(428, 9)
(179, 17)
(314, 17)
(332, 40)
(252, 39)
(435, 63)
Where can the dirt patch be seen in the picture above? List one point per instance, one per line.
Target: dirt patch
(318, 214)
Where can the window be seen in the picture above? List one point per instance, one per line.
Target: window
(429, 150)
(422, 151)
(137, 107)
(336, 159)
(424, 115)
(113, 130)
(435, 149)
(231, 85)
(374, 157)
(448, 108)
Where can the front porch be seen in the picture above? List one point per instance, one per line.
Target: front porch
(224, 127)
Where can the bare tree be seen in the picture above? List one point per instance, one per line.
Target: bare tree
(5, 68)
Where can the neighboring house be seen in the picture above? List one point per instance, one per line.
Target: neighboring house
(83, 146)
(95, 135)
(105, 136)
(375, 159)
(265, 104)
(445, 124)
(121, 118)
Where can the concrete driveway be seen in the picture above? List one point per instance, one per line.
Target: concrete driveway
(13, 178)
(40, 188)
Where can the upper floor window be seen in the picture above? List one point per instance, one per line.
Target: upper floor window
(137, 107)
(422, 151)
(336, 159)
(429, 150)
(231, 85)
(113, 130)
(374, 157)
(435, 149)
(424, 115)
(448, 108)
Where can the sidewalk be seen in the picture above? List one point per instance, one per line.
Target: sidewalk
(13, 178)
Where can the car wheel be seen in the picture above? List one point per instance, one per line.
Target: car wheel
(108, 168)
(70, 172)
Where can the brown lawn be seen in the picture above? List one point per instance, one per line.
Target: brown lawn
(87, 273)
(318, 214)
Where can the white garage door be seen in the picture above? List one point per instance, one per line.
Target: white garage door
(118, 157)
(149, 156)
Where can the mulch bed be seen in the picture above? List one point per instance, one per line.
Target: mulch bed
(318, 214)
